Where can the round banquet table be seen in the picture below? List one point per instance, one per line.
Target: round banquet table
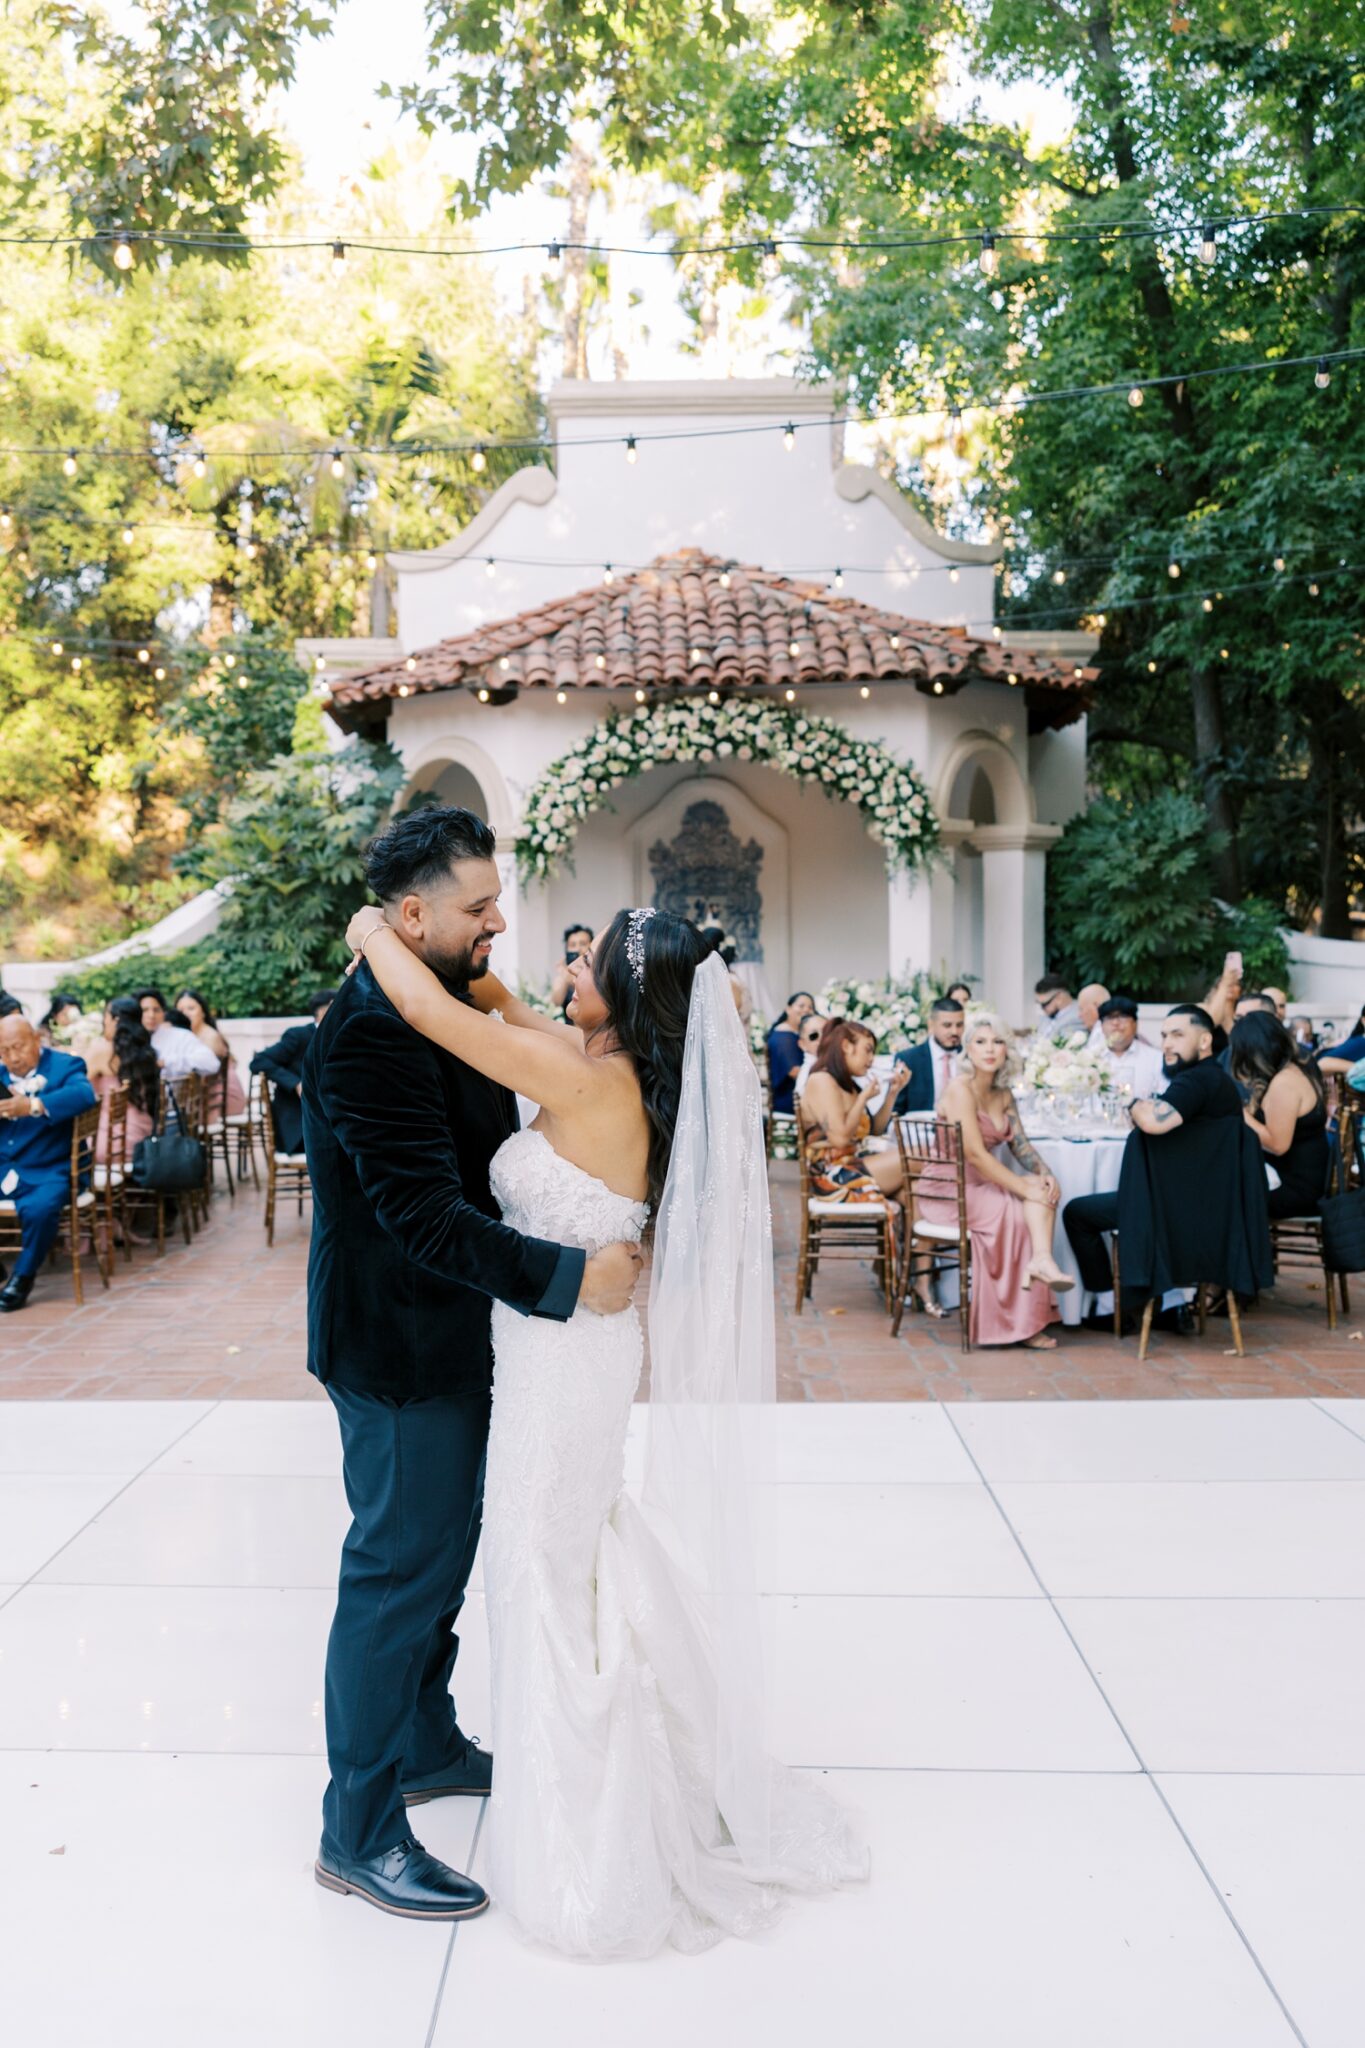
(1083, 1165)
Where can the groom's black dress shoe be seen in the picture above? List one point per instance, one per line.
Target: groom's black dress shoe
(16, 1293)
(471, 1777)
(406, 1881)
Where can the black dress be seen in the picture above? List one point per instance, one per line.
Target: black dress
(1302, 1169)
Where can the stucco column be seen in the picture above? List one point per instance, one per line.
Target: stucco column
(910, 908)
(1014, 866)
(942, 884)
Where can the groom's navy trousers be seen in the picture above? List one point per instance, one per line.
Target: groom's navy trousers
(412, 1470)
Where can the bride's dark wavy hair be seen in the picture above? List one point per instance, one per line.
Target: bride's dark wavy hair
(649, 1021)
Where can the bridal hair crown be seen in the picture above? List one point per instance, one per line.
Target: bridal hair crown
(635, 943)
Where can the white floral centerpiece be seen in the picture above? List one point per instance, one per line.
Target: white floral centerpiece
(890, 794)
(898, 1011)
(1066, 1065)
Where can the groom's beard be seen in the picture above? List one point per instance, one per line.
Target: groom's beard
(458, 969)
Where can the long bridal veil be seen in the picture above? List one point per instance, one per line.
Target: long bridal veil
(710, 1456)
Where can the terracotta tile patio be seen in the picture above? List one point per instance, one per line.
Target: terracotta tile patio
(224, 1318)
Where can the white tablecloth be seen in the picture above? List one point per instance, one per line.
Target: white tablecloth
(1080, 1166)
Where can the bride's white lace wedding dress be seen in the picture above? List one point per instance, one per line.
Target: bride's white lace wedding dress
(604, 1834)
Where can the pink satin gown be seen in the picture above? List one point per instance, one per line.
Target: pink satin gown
(1001, 1311)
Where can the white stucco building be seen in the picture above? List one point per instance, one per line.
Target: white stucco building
(742, 564)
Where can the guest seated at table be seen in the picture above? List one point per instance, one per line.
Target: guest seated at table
(784, 1051)
(45, 1091)
(175, 1045)
(1197, 1087)
(1088, 1004)
(1135, 1067)
(1010, 1215)
(809, 1036)
(63, 1013)
(1060, 1014)
(932, 1065)
(1286, 1109)
(198, 1014)
(1341, 1056)
(123, 1053)
(282, 1065)
(838, 1121)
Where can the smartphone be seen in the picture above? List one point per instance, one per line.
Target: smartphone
(1233, 965)
(5, 1091)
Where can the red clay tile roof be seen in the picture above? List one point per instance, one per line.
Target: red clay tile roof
(695, 620)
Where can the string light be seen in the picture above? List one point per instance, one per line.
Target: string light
(954, 575)
(631, 451)
(838, 579)
(144, 654)
(1208, 243)
(56, 647)
(955, 427)
(69, 463)
(478, 461)
(1222, 654)
(560, 697)
(337, 466)
(504, 663)
(338, 259)
(895, 640)
(724, 579)
(1173, 569)
(989, 258)
(5, 521)
(1136, 396)
(160, 674)
(490, 567)
(864, 692)
(1151, 668)
(1012, 678)
(371, 562)
(75, 664)
(599, 661)
(1279, 561)
(938, 688)
(199, 466)
(123, 253)
(714, 697)
(127, 536)
(1313, 590)
(608, 573)
(791, 696)
(483, 696)
(229, 661)
(1322, 376)
(410, 663)
(553, 251)
(1208, 604)
(1059, 575)
(639, 696)
(789, 437)
(319, 662)
(403, 688)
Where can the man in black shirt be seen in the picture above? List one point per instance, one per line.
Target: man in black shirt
(1197, 1086)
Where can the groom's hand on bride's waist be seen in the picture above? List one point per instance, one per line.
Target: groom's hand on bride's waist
(609, 1279)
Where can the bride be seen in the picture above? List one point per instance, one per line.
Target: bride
(634, 1802)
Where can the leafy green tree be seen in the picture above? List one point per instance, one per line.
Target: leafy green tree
(1128, 904)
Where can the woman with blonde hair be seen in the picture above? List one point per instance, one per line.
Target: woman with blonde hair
(1011, 1216)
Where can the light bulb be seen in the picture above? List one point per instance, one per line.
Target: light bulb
(1012, 678)
(75, 664)
(478, 461)
(402, 689)
(724, 579)
(789, 437)
(771, 266)
(1208, 243)
(1279, 561)
(864, 692)
(995, 632)
(123, 253)
(1173, 570)
(56, 647)
(1314, 590)
(1322, 376)
(1208, 604)
(160, 674)
(938, 689)
(608, 573)
(337, 466)
(483, 696)
(1136, 396)
(560, 697)
(143, 654)
(250, 551)
(1059, 575)
(838, 579)
(229, 661)
(955, 425)
(791, 696)
(371, 562)
(338, 259)
(895, 640)
(1151, 668)
(631, 450)
(639, 696)
(127, 536)
(792, 649)
(1222, 654)
(954, 575)
(503, 662)
(69, 463)
(713, 697)
(599, 661)
(490, 567)
(5, 521)
(989, 258)
(319, 662)
(554, 251)
(410, 663)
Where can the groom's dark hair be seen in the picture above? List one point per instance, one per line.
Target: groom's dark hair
(422, 847)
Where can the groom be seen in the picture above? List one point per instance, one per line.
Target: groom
(407, 1252)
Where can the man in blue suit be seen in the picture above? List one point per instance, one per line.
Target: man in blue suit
(932, 1065)
(44, 1091)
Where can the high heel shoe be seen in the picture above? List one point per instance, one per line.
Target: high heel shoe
(925, 1302)
(1051, 1275)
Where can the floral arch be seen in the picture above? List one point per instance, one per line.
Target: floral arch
(890, 794)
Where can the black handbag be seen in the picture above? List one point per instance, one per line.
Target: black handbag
(1343, 1231)
(171, 1162)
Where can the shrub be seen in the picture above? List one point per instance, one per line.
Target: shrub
(1129, 904)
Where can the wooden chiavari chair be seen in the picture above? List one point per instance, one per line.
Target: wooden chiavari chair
(286, 1173)
(109, 1176)
(831, 1229)
(926, 1142)
(80, 1211)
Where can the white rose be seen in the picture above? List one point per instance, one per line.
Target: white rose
(725, 749)
(746, 753)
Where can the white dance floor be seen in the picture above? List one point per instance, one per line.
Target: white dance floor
(1093, 1673)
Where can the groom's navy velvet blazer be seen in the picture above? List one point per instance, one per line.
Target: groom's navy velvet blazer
(407, 1248)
